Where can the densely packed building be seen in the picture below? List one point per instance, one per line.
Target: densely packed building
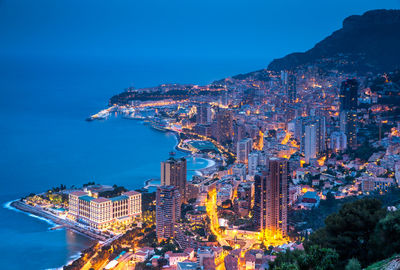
(281, 142)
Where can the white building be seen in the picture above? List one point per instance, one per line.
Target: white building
(203, 114)
(243, 150)
(338, 141)
(253, 162)
(310, 143)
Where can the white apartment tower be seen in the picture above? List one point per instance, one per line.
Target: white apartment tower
(310, 142)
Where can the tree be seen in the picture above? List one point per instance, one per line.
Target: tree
(287, 266)
(349, 231)
(330, 199)
(386, 237)
(353, 264)
(313, 258)
(321, 258)
(284, 259)
(212, 238)
(228, 248)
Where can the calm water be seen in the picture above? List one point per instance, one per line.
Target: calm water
(60, 61)
(45, 142)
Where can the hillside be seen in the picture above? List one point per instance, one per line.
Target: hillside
(368, 42)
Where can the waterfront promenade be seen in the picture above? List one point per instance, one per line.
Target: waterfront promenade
(62, 222)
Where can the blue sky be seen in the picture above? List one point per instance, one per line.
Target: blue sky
(185, 29)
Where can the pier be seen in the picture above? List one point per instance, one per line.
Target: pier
(148, 184)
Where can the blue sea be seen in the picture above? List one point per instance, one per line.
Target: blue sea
(45, 142)
(60, 61)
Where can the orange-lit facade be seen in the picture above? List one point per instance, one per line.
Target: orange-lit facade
(271, 198)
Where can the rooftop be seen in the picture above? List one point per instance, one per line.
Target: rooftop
(187, 265)
(100, 200)
(119, 198)
(130, 193)
(311, 195)
(86, 198)
(78, 193)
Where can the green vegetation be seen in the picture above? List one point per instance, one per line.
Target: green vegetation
(314, 218)
(313, 257)
(212, 238)
(89, 184)
(353, 264)
(350, 230)
(360, 233)
(113, 193)
(168, 245)
(365, 151)
(184, 209)
(58, 189)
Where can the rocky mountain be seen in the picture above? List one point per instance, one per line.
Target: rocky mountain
(368, 42)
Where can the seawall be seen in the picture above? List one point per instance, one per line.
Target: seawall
(65, 223)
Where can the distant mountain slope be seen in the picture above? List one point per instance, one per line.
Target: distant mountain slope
(370, 42)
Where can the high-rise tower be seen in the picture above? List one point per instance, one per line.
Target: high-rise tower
(291, 88)
(168, 211)
(310, 142)
(173, 173)
(243, 150)
(348, 95)
(271, 197)
(203, 114)
(224, 126)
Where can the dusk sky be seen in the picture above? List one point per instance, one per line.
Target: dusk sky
(126, 29)
(98, 97)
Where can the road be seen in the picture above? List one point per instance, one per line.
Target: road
(211, 207)
(250, 238)
(124, 263)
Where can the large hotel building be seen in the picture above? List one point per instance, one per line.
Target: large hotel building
(100, 212)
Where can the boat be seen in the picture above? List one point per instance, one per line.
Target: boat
(172, 153)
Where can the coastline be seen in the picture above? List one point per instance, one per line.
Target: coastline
(58, 223)
(210, 163)
(210, 166)
(178, 142)
(53, 220)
